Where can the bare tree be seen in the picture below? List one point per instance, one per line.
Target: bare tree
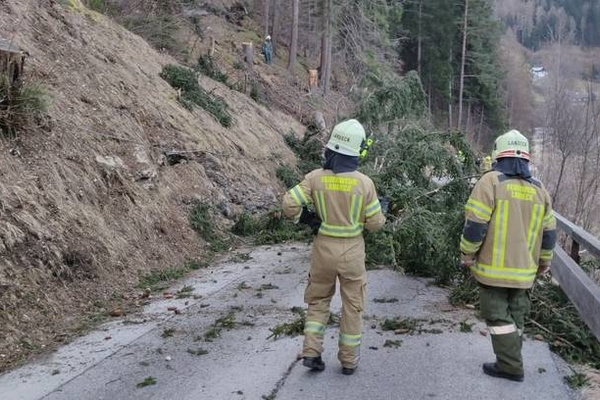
(420, 38)
(326, 38)
(276, 24)
(266, 4)
(294, 36)
(463, 58)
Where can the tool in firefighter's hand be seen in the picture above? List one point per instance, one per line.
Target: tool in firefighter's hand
(384, 201)
(366, 145)
(467, 260)
(310, 218)
(543, 270)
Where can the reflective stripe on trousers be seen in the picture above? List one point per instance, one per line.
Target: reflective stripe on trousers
(503, 329)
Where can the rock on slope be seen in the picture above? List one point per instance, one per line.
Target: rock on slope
(87, 199)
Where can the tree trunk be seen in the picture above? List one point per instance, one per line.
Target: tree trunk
(323, 62)
(468, 129)
(462, 65)
(420, 39)
(329, 66)
(211, 50)
(313, 79)
(275, 26)
(248, 54)
(294, 37)
(561, 173)
(480, 130)
(266, 17)
(12, 62)
(450, 116)
(325, 68)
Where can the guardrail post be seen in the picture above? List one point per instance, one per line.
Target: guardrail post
(575, 251)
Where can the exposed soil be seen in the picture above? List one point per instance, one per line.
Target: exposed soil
(88, 200)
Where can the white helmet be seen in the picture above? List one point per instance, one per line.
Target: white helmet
(347, 138)
(268, 37)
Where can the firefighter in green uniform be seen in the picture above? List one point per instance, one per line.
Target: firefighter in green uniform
(508, 239)
(346, 202)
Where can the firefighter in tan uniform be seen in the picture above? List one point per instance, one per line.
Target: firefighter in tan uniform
(346, 203)
(508, 239)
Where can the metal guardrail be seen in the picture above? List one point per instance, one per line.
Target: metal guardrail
(583, 292)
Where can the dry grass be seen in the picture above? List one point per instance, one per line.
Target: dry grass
(72, 230)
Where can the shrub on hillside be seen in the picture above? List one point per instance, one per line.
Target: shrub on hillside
(288, 176)
(202, 221)
(192, 94)
(207, 66)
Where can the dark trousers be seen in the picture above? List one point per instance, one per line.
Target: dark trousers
(504, 310)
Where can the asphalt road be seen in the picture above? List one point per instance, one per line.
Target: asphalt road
(165, 350)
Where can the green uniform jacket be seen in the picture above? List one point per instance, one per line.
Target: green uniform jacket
(510, 230)
(347, 203)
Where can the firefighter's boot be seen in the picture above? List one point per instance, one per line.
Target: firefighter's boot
(314, 363)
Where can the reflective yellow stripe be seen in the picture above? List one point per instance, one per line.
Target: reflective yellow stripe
(549, 219)
(355, 208)
(350, 340)
(469, 247)
(502, 330)
(373, 208)
(478, 208)
(298, 195)
(314, 327)
(546, 255)
(321, 197)
(320, 204)
(535, 224)
(340, 230)
(512, 274)
(500, 231)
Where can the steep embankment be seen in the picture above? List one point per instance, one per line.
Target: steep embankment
(87, 199)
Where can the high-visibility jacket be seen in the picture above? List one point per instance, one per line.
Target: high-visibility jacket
(347, 202)
(510, 230)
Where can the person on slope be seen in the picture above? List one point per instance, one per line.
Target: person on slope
(346, 202)
(267, 50)
(508, 239)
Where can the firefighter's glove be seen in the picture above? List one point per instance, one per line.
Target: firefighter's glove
(310, 218)
(467, 260)
(276, 213)
(543, 269)
(384, 201)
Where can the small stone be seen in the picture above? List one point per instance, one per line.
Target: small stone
(483, 332)
(108, 338)
(470, 306)
(539, 337)
(116, 312)
(168, 358)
